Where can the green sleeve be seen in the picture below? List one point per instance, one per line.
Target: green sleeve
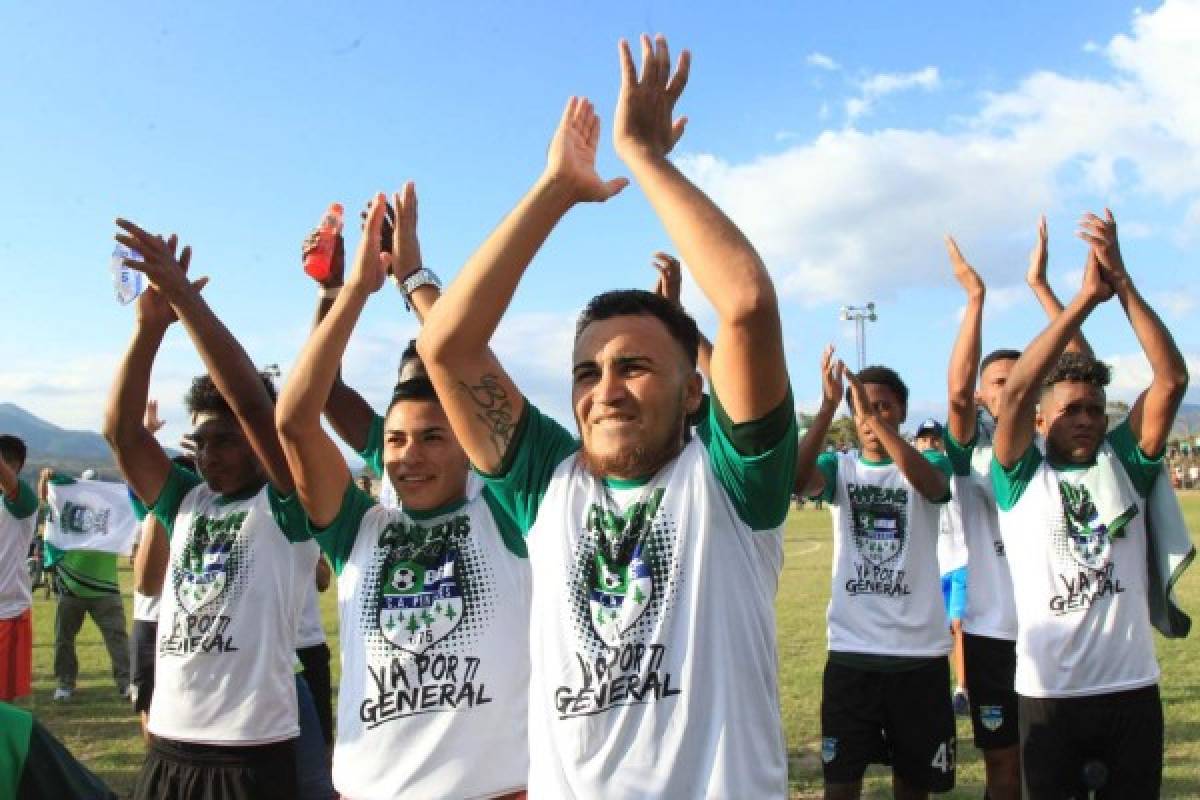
(510, 532)
(1009, 484)
(179, 482)
(754, 461)
(538, 446)
(960, 453)
(289, 515)
(372, 451)
(939, 460)
(1141, 468)
(139, 508)
(827, 464)
(52, 772)
(24, 504)
(337, 539)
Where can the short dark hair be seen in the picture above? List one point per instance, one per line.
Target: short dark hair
(204, 396)
(1079, 368)
(413, 389)
(639, 302)
(884, 376)
(12, 448)
(998, 355)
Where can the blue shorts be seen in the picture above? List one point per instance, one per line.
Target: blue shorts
(954, 592)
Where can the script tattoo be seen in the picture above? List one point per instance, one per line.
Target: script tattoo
(493, 409)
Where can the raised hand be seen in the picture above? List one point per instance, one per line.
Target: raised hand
(152, 421)
(670, 277)
(1101, 236)
(371, 263)
(152, 308)
(964, 273)
(571, 159)
(1096, 287)
(645, 126)
(337, 264)
(832, 379)
(406, 248)
(1035, 276)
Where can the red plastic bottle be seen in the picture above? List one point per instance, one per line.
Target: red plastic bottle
(319, 262)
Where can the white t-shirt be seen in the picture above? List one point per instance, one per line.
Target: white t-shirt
(991, 610)
(227, 624)
(654, 670)
(952, 544)
(310, 632)
(18, 518)
(887, 591)
(145, 606)
(1083, 620)
(434, 620)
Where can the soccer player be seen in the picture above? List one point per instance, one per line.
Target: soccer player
(655, 562)
(224, 715)
(434, 598)
(990, 620)
(18, 518)
(1073, 518)
(886, 687)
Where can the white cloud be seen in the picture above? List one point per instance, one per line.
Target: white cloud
(822, 61)
(1177, 303)
(885, 83)
(1131, 374)
(850, 208)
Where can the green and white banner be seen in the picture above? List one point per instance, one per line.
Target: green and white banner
(91, 515)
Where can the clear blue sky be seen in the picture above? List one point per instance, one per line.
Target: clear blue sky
(236, 124)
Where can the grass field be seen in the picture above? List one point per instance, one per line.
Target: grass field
(101, 730)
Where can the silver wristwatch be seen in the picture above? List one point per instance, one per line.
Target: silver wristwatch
(422, 277)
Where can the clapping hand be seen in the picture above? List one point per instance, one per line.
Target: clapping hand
(964, 273)
(1036, 274)
(571, 159)
(645, 126)
(832, 379)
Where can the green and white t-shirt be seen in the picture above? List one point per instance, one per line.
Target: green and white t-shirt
(227, 620)
(652, 636)
(18, 519)
(434, 622)
(991, 609)
(1083, 625)
(886, 598)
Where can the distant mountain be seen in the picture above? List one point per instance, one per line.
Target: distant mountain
(1188, 420)
(50, 444)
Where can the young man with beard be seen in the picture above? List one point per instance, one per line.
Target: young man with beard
(655, 561)
(434, 597)
(224, 718)
(886, 687)
(1072, 502)
(990, 622)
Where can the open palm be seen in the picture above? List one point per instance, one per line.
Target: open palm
(571, 159)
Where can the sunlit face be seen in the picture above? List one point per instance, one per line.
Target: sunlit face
(991, 383)
(928, 441)
(1071, 418)
(889, 411)
(632, 389)
(223, 454)
(426, 464)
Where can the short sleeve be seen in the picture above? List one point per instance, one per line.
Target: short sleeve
(939, 460)
(754, 461)
(827, 463)
(166, 506)
(960, 453)
(24, 504)
(538, 446)
(139, 508)
(1142, 469)
(338, 538)
(372, 452)
(289, 515)
(1009, 484)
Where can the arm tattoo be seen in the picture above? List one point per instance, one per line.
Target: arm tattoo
(494, 409)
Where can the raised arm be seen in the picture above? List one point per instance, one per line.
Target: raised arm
(316, 463)
(152, 557)
(141, 458)
(1015, 417)
(1035, 276)
(810, 481)
(749, 374)
(1154, 411)
(478, 396)
(964, 358)
(669, 285)
(231, 369)
(932, 483)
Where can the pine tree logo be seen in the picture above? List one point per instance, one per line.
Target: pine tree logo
(619, 594)
(419, 603)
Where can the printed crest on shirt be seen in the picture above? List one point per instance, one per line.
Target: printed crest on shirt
(992, 717)
(880, 526)
(210, 557)
(420, 604)
(1089, 541)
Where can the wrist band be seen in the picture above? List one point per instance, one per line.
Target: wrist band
(329, 292)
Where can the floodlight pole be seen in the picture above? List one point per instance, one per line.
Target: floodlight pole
(860, 316)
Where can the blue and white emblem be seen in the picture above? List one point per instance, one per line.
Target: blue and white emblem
(878, 533)
(992, 717)
(204, 575)
(419, 605)
(618, 595)
(828, 748)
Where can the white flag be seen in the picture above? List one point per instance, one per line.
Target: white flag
(91, 515)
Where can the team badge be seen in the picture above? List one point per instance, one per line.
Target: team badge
(828, 748)
(878, 532)
(619, 595)
(992, 717)
(83, 519)
(419, 605)
(205, 571)
(1089, 540)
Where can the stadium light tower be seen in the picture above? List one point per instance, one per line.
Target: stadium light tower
(860, 316)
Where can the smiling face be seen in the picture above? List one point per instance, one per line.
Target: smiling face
(223, 454)
(889, 410)
(632, 389)
(426, 464)
(1071, 418)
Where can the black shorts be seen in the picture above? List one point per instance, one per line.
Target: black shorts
(1119, 733)
(900, 718)
(185, 771)
(991, 666)
(142, 650)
